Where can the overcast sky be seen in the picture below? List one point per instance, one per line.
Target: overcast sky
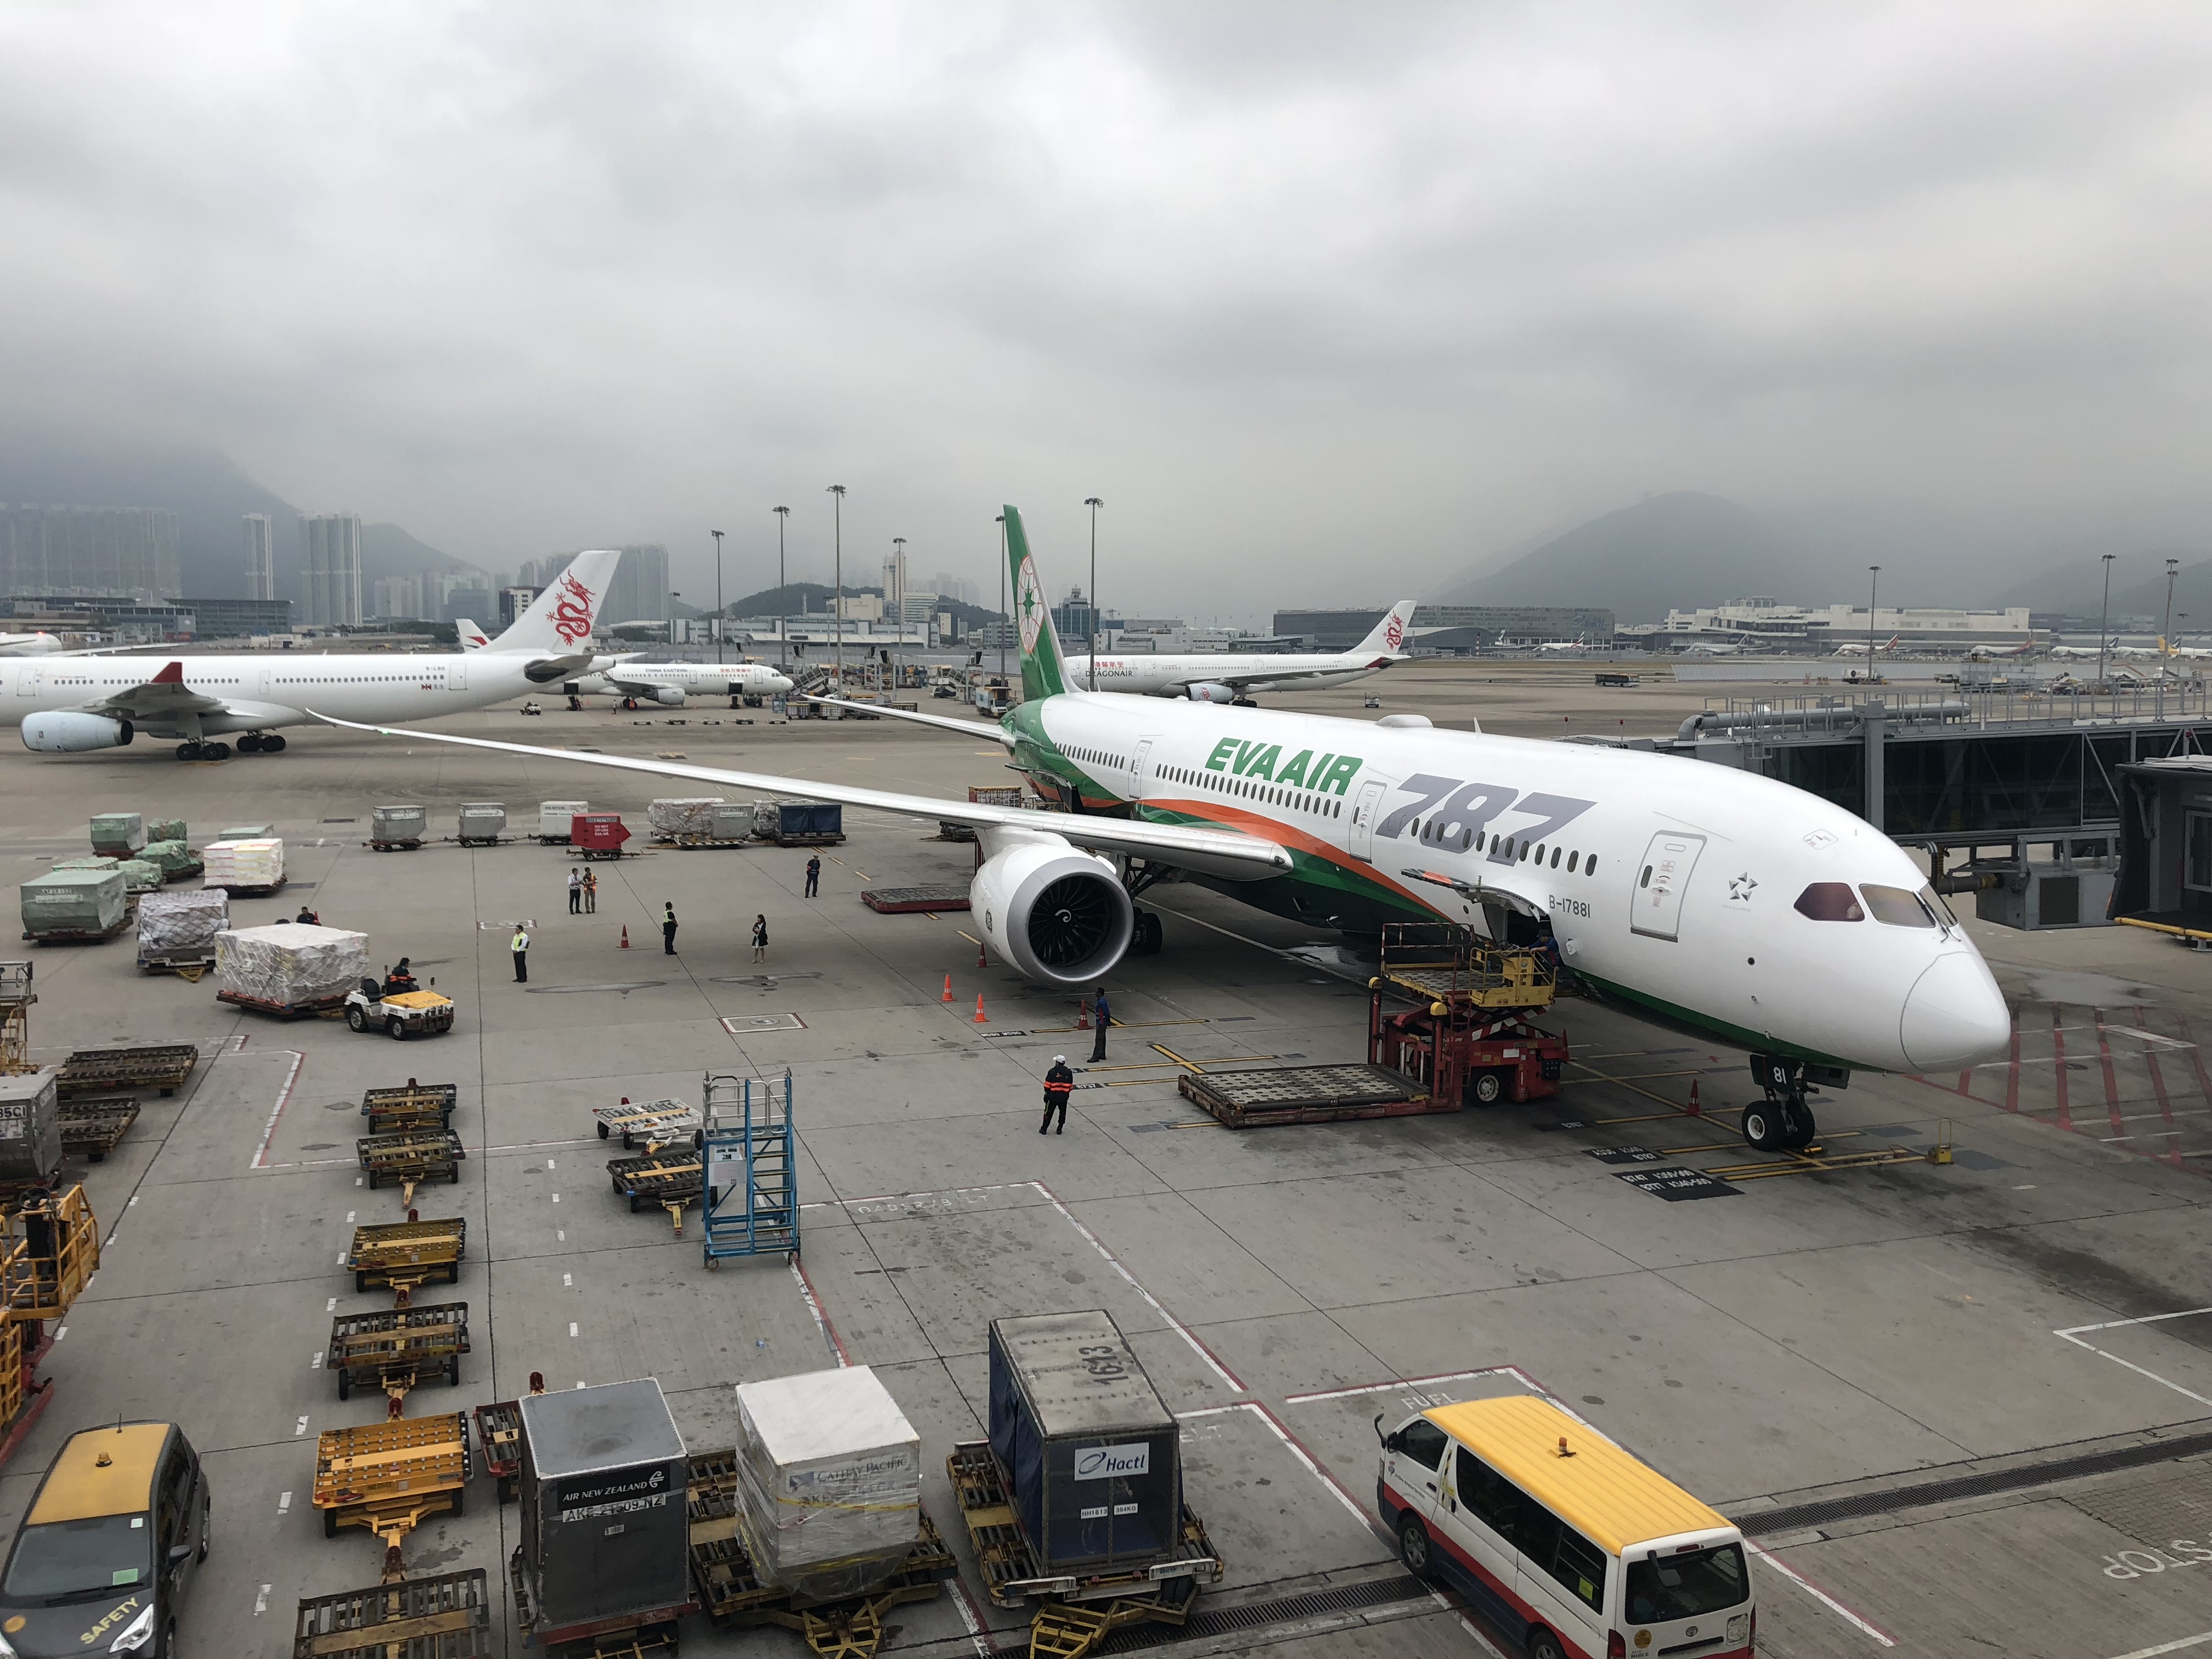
(1325, 301)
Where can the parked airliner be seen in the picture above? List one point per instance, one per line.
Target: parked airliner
(79, 703)
(41, 644)
(1699, 896)
(1231, 676)
(665, 683)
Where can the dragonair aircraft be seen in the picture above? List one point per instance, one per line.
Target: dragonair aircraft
(1704, 899)
(1226, 676)
(665, 683)
(68, 706)
(41, 644)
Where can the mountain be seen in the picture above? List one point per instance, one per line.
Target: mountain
(1682, 549)
(210, 494)
(2075, 588)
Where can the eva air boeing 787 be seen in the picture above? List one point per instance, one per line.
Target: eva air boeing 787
(1704, 899)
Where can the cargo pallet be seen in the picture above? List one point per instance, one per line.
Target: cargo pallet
(189, 966)
(398, 1349)
(16, 997)
(444, 1617)
(753, 1209)
(633, 1636)
(831, 838)
(658, 1123)
(480, 841)
(499, 1442)
(92, 1126)
(1304, 1094)
(162, 1065)
(405, 1255)
(672, 1180)
(391, 1476)
(184, 871)
(82, 935)
(287, 1011)
(254, 890)
(1077, 1611)
(906, 900)
(410, 1157)
(729, 1590)
(417, 1106)
(407, 846)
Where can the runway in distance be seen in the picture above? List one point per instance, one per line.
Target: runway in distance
(1704, 899)
(1232, 676)
(80, 703)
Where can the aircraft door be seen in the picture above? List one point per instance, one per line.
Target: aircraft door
(1360, 833)
(1656, 906)
(457, 673)
(26, 680)
(1137, 764)
(267, 676)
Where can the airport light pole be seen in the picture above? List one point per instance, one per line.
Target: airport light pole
(1874, 586)
(2105, 617)
(672, 597)
(2166, 634)
(1094, 504)
(717, 535)
(898, 638)
(782, 598)
(838, 507)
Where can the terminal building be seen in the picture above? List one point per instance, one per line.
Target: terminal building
(1764, 624)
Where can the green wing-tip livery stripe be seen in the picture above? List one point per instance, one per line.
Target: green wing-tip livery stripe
(1041, 660)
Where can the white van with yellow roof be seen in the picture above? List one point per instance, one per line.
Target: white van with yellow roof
(1561, 1537)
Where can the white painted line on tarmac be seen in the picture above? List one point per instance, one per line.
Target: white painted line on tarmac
(261, 1600)
(300, 1429)
(820, 1320)
(560, 1238)
(316, 1363)
(2072, 1334)
(331, 1306)
(1228, 1377)
(285, 1503)
(567, 1281)
(2169, 1647)
(350, 1216)
(572, 1327)
(283, 1095)
(1291, 1442)
(557, 1198)
(60, 1331)
(978, 1631)
(1865, 1626)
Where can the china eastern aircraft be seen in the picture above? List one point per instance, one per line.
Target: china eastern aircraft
(1696, 895)
(1232, 677)
(67, 706)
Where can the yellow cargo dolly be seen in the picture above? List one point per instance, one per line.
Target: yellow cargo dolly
(410, 1157)
(732, 1596)
(416, 1106)
(397, 1349)
(1443, 963)
(407, 1255)
(391, 1477)
(16, 997)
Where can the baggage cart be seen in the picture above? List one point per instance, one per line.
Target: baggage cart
(162, 1065)
(410, 1157)
(556, 818)
(92, 1126)
(189, 962)
(801, 822)
(398, 1349)
(306, 1009)
(446, 1616)
(598, 835)
(672, 1180)
(481, 823)
(658, 1123)
(404, 1256)
(390, 1477)
(416, 1106)
(396, 829)
(499, 1444)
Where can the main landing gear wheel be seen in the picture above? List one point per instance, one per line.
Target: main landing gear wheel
(214, 751)
(272, 744)
(250, 743)
(1798, 1127)
(1150, 932)
(1764, 1126)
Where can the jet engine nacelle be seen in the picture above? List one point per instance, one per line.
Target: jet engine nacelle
(669, 696)
(1059, 914)
(1214, 691)
(69, 733)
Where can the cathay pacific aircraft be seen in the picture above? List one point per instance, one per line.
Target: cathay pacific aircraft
(69, 705)
(1232, 677)
(1699, 897)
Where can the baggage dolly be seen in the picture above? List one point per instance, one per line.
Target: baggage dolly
(397, 1350)
(163, 1066)
(92, 1126)
(499, 1441)
(672, 1180)
(447, 1616)
(658, 1123)
(417, 1106)
(390, 1477)
(407, 1254)
(411, 1157)
(633, 1636)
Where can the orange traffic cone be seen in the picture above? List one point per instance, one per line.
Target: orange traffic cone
(981, 1019)
(947, 997)
(625, 944)
(982, 961)
(1082, 1015)
(1696, 1110)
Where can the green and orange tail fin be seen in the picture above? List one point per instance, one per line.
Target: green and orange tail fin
(1041, 672)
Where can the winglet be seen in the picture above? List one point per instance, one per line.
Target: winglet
(172, 675)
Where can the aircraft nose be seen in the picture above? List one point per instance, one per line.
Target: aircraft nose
(1954, 1014)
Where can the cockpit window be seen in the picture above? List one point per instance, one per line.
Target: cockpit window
(1898, 906)
(1830, 901)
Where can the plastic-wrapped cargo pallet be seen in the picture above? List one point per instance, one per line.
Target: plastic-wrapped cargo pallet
(829, 1481)
(248, 832)
(690, 816)
(398, 822)
(184, 920)
(166, 829)
(74, 901)
(139, 875)
(30, 1125)
(554, 817)
(118, 835)
(243, 863)
(174, 856)
(89, 861)
(289, 963)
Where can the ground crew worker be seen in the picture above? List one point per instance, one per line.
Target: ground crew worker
(1059, 1083)
(575, 892)
(400, 978)
(1101, 1015)
(667, 928)
(760, 938)
(813, 875)
(591, 893)
(309, 917)
(519, 944)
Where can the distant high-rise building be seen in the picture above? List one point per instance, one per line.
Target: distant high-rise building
(260, 558)
(512, 602)
(115, 551)
(950, 587)
(331, 544)
(400, 597)
(639, 592)
(895, 582)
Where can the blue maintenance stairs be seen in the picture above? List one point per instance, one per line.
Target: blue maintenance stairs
(752, 1184)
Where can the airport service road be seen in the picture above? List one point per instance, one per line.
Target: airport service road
(1971, 1400)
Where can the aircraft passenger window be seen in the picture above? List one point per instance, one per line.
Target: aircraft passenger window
(1555, 858)
(1830, 901)
(1589, 864)
(1522, 855)
(1571, 857)
(1539, 854)
(1896, 905)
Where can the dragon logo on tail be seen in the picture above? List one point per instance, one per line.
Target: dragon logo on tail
(1394, 636)
(572, 616)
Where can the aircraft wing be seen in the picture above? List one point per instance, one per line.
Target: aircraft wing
(165, 693)
(1210, 852)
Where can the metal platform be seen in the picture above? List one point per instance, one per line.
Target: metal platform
(906, 900)
(444, 1617)
(752, 1183)
(163, 1066)
(92, 1125)
(1304, 1094)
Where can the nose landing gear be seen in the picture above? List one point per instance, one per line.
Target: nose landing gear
(1782, 1122)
